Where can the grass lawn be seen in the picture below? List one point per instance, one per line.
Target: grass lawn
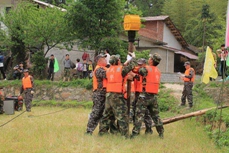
(64, 132)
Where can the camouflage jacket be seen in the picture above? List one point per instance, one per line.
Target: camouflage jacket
(100, 74)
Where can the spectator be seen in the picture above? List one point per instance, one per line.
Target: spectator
(79, 69)
(2, 67)
(222, 54)
(107, 53)
(18, 70)
(90, 69)
(51, 67)
(85, 65)
(67, 67)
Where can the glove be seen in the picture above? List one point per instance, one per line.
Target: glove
(132, 54)
(32, 92)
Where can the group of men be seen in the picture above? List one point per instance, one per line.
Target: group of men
(110, 99)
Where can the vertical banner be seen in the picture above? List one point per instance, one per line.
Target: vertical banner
(209, 68)
(56, 65)
(227, 32)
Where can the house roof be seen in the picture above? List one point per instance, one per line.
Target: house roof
(193, 48)
(177, 51)
(190, 56)
(48, 5)
(170, 25)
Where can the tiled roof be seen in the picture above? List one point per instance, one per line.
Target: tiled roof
(48, 5)
(155, 18)
(170, 25)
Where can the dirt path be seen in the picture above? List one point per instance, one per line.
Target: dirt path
(176, 89)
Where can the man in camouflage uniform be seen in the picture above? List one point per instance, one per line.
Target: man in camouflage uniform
(115, 104)
(28, 89)
(147, 119)
(99, 96)
(1, 100)
(147, 103)
(188, 79)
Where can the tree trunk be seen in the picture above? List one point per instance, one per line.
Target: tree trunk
(192, 114)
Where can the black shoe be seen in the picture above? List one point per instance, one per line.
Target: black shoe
(149, 131)
(88, 133)
(181, 105)
(161, 135)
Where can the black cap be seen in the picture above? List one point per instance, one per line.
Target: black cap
(141, 61)
(101, 55)
(187, 63)
(25, 70)
(51, 55)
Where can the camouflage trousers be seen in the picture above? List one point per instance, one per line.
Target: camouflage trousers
(147, 108)
(116, 106)
(1, 106)
(99, 97)
(147, 117)
(67, 72)
(28, 99)
(187, 92)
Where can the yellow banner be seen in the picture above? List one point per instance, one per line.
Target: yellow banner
(209, 68)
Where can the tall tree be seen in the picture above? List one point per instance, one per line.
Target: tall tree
(149, 7)
(30, 26)
(186, 15)
(92, 22)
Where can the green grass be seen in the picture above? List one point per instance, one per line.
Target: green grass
(68, 104)
(64, 132)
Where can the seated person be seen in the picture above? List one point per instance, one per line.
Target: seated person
(18, 70)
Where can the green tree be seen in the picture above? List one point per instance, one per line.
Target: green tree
(30, 26)
(92, 22)
(149, 7)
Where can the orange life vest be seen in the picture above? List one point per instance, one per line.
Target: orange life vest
(95, 82)
(115, 79)
(187, 72)
(152, 81)
(26, 82)
(125, 87)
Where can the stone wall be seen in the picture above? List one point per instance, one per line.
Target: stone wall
(174, 78)
(55, 93)
(49, 92)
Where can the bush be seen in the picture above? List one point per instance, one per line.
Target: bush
(165, 100)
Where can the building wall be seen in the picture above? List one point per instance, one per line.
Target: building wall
(157, 29)
(73, 55)
(169, 38)
(167, 62)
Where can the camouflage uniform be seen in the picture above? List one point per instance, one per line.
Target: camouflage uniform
(28, 97)
(99, 97)
(1, 102)
(147, 108)
(116, 105)
(187, 90)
